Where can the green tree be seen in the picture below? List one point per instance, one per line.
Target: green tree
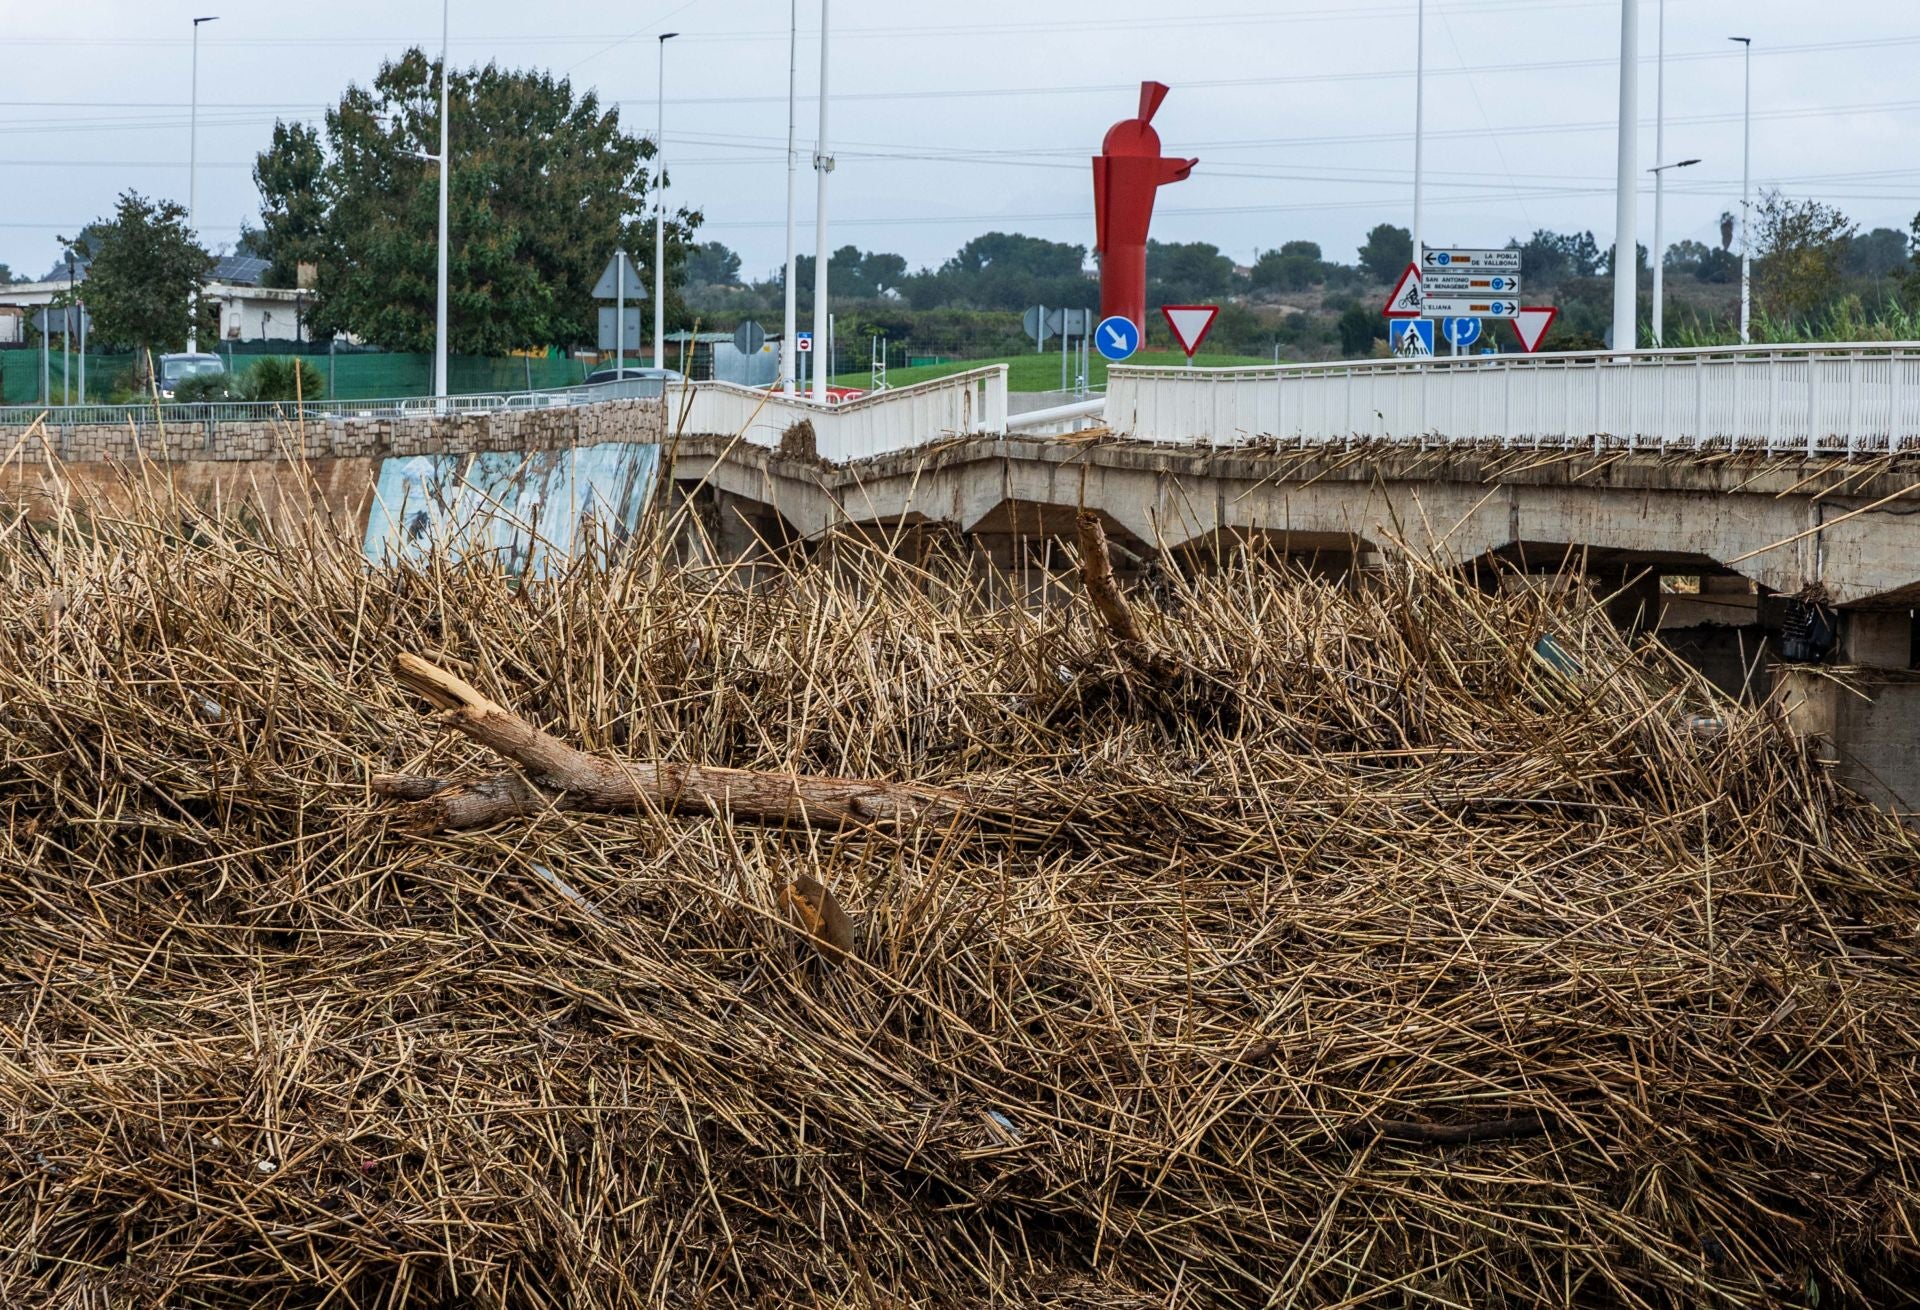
(1879, 253)
(1705, 263)
(145, 269)
(1800, 249)
(1549, 258)
(1295, 266)
(6, 276)
(1359, 328)
(1387, 252)
(1004, 270)
(293, 210)
(1184, 272)
(711, 264)
(544, 186)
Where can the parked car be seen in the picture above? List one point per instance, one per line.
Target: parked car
(633, 371)
(172, 370)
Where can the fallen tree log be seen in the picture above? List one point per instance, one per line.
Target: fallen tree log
(552, 775)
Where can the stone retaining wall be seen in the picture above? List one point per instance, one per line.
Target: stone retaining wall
(339, 438)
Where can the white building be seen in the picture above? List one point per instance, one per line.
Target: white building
(248, 311)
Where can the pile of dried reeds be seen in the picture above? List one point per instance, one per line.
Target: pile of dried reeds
(1405, 946)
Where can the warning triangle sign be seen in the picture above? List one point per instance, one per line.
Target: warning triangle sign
(1190, 324)
(1531, 325)
(1405, 300)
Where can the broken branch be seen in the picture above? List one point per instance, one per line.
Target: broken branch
(554, 775)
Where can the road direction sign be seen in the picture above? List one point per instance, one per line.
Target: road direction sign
(1411, 338)
(1069, 322)
(1460, 332)
(1116, 338)
(1035, 322)
(1468, 307)
(609, 338)
(803, 343)
(608, 287)
(749, 337)
(1405, 300)
(1190, 324)
(1470, 261)
(1531, 325)
(1470, 284)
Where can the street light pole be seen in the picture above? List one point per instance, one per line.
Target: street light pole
(1659, 153)
(823, 165)
(1659, 281)
(1746, 196)
(440, 300)
(1626, 245)
(660, 210)
(193, 176)
(1419, 115)
(791, 323)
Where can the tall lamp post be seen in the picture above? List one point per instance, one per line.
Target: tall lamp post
(193, 174)
(660, 210)
(1626, 245)
(1659, 251)
(790, 324)
(823, 165)
(1419, 114)
(1746, 195)
(440, 301)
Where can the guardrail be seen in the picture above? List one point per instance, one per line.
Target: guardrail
(1853, 398)
(873, 424)
(197, 413)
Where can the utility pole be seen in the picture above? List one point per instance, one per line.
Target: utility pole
(823, 165)
(440, 302)
(1626, 244)
(1659, 160)
(791, 323)
(193, 177)
(660, 209)
(1419, 121)
(1746, 196)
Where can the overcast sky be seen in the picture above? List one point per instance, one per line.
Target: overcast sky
(981, 115)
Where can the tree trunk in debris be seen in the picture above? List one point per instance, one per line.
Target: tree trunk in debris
(554, 775)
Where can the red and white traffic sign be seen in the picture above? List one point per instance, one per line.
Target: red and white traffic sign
(1405, 300)
(1531, 325)
(1190, 324)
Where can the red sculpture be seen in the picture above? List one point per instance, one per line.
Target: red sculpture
(1126, 173)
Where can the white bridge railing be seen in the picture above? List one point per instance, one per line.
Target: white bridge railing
(1815, 399)
(873, 424)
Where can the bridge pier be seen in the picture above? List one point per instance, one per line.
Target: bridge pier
(1863, 714)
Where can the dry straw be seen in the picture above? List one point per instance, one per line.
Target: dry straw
(1387, 955)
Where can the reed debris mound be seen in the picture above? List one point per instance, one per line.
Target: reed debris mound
(1475, 958)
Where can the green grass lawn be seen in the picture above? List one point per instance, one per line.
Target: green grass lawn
(1042, 372)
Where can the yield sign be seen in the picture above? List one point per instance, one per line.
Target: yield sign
(1405, 300)
(1531, 325)
(1190, 324)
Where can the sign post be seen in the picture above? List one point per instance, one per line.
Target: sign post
(1531, 325)
(1190, 324)
(1410, 338)
(1116, 338)
(613, 286)
(1405, 302)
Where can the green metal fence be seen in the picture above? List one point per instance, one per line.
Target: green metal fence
(356, 375)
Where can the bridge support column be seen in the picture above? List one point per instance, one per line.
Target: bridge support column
(1864, 714)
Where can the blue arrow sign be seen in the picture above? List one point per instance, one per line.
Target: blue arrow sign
(1462, 332)
(1503, 284)
(1116, 338)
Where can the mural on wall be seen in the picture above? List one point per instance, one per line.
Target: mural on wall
(531, 512)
